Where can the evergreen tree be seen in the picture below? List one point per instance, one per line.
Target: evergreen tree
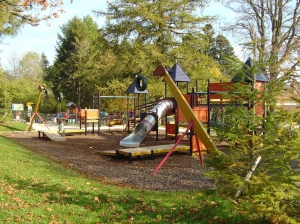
(273, 188)
(75, 71)
(161, 23)
(219, 48)
(144, 34)
(45, 61)
(9, 24)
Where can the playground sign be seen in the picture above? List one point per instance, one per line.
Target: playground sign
(17, 106)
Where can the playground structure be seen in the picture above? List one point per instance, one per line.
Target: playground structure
(163, 108)
(89, 116)
(194, 122)
(110, 120)
(209, 107)
(160, 109)
(148, 123)
(134, 116)
(193, 110)
(41, 88)
(259, 108)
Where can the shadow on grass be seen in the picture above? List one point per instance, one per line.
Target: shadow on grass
(140, 206)
(8, 127)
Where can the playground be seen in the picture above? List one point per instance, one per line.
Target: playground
(112, 149)
(81, 153)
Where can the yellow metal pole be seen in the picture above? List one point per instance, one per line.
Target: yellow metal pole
(187, 111)
(40, 88)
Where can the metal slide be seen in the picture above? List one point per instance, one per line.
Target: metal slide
(187, 110)
(162, 108)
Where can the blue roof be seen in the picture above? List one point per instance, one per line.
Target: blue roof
(132, 89)
(247, 76)
(178, 75)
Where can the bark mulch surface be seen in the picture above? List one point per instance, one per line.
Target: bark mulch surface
(81, 153)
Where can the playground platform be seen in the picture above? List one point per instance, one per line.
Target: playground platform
(150, 150)
(72, 131)
(69, 127)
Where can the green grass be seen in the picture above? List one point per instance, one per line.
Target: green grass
(12, 126)
(34, 189)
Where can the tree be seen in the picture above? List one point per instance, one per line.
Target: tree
(161, 23)
(14, 14)
(5, 97)
(221, 51)
(273, 188)
(13, 61)
(30, 67)
(196, 63)
(45, 60)
(9, 24)
(24, 77)
(75, 71)
(270, 29)
(29, 11)
(144, 34)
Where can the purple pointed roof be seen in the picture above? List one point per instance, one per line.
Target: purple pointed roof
(247, 77)
(132, 89)
(178, 75)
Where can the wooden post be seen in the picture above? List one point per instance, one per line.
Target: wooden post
(40, 88)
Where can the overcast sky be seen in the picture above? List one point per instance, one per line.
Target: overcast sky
(43, 38)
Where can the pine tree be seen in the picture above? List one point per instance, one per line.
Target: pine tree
(144, 34)
(219, 48)
(75, 70)
(273, 188)
(161, 23)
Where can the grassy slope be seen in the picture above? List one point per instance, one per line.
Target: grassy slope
(12, 126)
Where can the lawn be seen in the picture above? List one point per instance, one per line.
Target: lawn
(34, 189)
(12, 126)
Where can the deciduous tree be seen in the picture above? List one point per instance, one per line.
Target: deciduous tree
(5, 96)
(270, 29)
(29, 66)
(15, 13)
(29, 11)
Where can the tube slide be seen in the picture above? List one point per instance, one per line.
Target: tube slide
(162, 108)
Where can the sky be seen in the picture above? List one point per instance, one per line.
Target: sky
(42, 39)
